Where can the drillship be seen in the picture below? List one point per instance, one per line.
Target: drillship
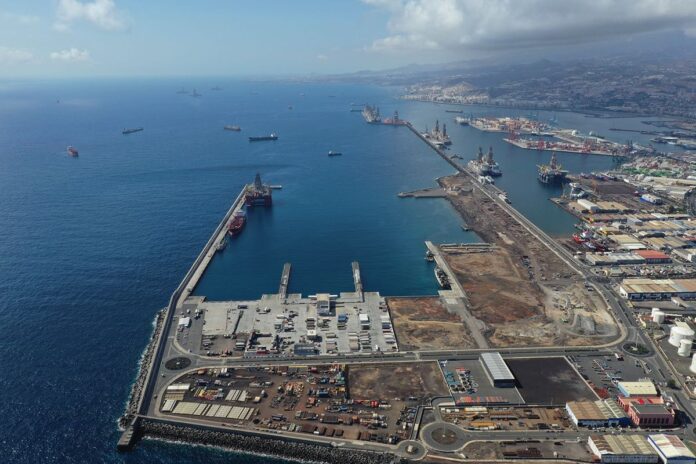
(371, 114)
(258, 194)
(552, 173)
(485, 165)
(439, 137)
(261, 138)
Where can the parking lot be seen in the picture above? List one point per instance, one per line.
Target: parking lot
(603, 372)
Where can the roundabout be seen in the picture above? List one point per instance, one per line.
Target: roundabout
(443, 436)
(176, 364)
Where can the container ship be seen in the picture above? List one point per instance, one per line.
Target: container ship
(258, 194)
(130, 131)
(237, 223)
(552, 173)
(371, 114)
(232, 128)
(261, 138)
(485, 165)
(72, 151)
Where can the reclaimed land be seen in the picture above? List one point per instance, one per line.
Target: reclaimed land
(521, 291)
(423, 323)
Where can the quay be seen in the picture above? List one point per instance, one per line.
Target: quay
(575, 148)
(357, 280)
(432, 192)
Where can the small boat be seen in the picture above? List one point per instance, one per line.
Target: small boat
(72, 151)
(263, 137)
(334, 153)
(132, 130)
(429, 256)
(232, 128)
(196, 94)
(221, 245)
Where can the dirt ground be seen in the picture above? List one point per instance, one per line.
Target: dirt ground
(388, 381)
(521, 291)
(423, 323)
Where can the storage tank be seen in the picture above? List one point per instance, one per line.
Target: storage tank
(684, 348)
(658, 317)
(692, 368)
(679, 333)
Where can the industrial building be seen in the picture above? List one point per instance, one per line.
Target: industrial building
(601, 413)
(651, 415)
(643, 388)
(323, 304)
(671, 449)
(613, 259)
(497, 371)
(622, 449)
(626, 402)
(657, 289)
(653, 256)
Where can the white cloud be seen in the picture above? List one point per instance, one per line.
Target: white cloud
(322, 57)
(15, 18)
(14, 55)
(500, 24)
(101, 13)
(70, 55)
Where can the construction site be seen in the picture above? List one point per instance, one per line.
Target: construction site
(517, 287)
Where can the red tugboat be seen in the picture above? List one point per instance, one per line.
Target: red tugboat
(237, 223)
(72, 151)
(258, 194)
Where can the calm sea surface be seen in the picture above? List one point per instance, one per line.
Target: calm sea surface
(91, 247)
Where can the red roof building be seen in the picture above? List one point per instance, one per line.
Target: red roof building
(653, 256)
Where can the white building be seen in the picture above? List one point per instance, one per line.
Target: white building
(671, 449)
(622, 449)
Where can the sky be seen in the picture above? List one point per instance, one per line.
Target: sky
(66, 38)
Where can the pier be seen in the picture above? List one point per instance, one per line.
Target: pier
(357, 280)
(425, 193)
(284, 281)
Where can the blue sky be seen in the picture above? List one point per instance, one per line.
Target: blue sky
(287, 37)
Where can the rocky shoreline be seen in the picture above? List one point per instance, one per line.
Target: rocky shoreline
(264, 445)
(143, 368)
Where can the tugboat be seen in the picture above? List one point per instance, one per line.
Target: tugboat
(221, 245)
(442, 278)
(72, 151)
(261, 138)
(334, 153)
(237, 223)
(232, 128)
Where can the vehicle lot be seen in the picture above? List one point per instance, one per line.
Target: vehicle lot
(469, 384)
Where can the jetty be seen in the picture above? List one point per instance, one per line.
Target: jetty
(284, 282)
(433, 192)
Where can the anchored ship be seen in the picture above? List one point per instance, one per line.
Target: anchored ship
(371, 114)
(485, 165)
(551, 173)
(72, 151)
(261, 138)
(258, 194)
(237, 223)
(232, 128)
(130, 131)
(334, 153)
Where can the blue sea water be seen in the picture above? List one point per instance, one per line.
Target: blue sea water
(91, 247)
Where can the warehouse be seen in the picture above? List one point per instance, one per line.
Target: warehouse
(640, 388)
(622, 449)
(601, 413)
(653, 256)
(651, 415)
(497, 371)
(671, 449)
(604, 259)
(657, 289)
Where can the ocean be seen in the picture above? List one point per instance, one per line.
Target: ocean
(92, 247)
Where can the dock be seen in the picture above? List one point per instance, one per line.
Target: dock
(425, 193)
(357, 279)
(284, 281)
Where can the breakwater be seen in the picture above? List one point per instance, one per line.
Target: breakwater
(287, 448)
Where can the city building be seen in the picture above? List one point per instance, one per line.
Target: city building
(671, 449)
(651, 415)
(640, 388)
(601, 413)
(622, 449)
(497, 371)
(657, 289)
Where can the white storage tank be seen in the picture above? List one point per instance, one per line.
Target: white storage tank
(658, 317)
(679, 333)
(692, 368)
(684, 348)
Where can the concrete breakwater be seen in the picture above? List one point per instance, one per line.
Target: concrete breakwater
(289, 448)
(143, 369)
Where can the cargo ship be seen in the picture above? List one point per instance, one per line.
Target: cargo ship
(262, 138)
(334, 153)
(371, 114)
(232, 128)
(237, 223)
(552, 173)
(72, 151)
(258, 194)
(130, 131)
(485, 165)
(442, 278)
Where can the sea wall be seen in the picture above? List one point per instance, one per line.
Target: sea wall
(250, 443)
